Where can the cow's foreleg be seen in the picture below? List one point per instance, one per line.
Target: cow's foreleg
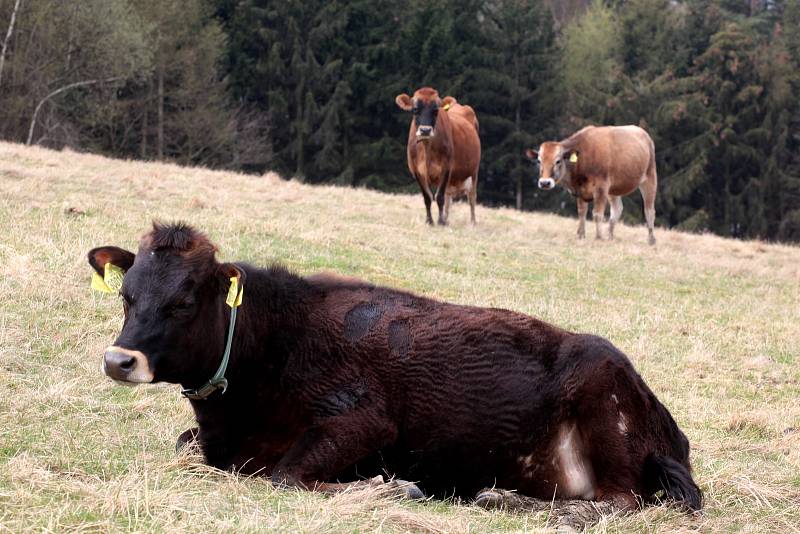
(599, 210)
(648, 190)
(427, 197)
(441, 193)
(583, 207)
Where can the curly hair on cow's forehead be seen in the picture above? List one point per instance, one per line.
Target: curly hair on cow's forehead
(180, 237)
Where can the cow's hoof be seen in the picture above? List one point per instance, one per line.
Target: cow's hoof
(490, 499)
(188, 438)
(405, 489)
(651, 240)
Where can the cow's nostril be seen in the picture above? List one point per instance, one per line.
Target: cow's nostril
(127, 364)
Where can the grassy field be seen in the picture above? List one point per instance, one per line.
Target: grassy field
(713, 325)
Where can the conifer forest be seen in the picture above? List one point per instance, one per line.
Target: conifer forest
(307, 88)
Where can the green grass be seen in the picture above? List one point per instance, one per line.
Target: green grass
(711, 324)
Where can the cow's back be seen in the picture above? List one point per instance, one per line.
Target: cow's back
(621, 152)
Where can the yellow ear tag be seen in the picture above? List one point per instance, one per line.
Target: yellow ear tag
(447, 107)
(111, 281)
(99, 285)
(235, 293)
(113, 277)
(573, 158)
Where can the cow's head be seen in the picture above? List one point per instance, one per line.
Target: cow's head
(555, 163)
(425, 105)
(173, 295)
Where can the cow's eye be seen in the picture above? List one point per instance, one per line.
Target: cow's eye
(127, 299)
(179, 306)
(558, 162)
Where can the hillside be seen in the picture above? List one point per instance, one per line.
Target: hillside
(711, 324)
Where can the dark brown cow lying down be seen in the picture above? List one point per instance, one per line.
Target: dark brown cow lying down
(333, 379)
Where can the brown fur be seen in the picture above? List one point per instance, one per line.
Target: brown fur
(612, 162)
(450, 159)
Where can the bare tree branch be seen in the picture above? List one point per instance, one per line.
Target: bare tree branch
(8, 37)
(58, 91)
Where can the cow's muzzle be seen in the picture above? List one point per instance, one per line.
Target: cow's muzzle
(127, 366)
(424, 132)
(546, 183)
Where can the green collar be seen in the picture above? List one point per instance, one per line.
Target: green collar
(218, 381)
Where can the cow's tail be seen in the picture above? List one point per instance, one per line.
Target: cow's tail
(662, 473)
(668, 469)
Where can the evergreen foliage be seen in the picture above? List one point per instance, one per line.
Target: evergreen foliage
(307, 87)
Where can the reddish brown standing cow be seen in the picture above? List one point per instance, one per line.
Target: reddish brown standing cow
(444, 150)
(602, 164)
(323, 379)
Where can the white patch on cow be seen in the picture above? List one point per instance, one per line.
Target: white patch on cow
(622, 424)
(576, 472)
(615, 399)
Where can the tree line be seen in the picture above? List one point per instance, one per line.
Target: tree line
(307, 87)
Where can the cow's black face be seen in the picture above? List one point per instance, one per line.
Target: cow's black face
(425, 114)
(174, 315)
(425, 106)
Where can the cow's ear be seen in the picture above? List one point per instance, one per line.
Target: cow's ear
(98, 257)
(448, 101)
(404, 102)
(231, 270)
(532, 154)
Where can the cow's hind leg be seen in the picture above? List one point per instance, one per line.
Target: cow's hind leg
(332, 445)
(616, 213)
(473, 197)
(648, 190)
(575, 514)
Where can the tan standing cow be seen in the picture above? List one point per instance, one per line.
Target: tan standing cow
(444, 150)
(602, 164)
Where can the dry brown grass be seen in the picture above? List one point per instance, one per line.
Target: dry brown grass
(711, 324)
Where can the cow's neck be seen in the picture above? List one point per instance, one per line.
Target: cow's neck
(272, 315)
